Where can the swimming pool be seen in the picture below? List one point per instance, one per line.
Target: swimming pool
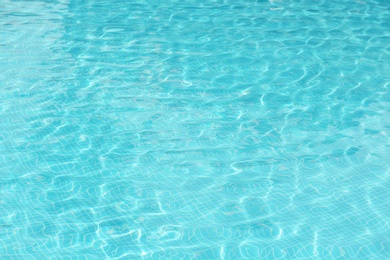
(194, 129)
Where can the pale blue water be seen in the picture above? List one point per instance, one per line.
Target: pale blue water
(195, 129)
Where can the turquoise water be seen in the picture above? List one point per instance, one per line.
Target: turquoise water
(195, 129)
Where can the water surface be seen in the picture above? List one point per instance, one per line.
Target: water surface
(194, 129)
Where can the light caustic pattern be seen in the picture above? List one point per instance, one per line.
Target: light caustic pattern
(194, 129)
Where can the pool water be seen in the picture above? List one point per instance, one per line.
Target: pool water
(195, 129)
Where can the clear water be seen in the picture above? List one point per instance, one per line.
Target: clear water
(195, 129)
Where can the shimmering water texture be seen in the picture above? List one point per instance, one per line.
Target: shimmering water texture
(193, 129)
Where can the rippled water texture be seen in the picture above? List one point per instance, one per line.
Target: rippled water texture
(195, 129)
